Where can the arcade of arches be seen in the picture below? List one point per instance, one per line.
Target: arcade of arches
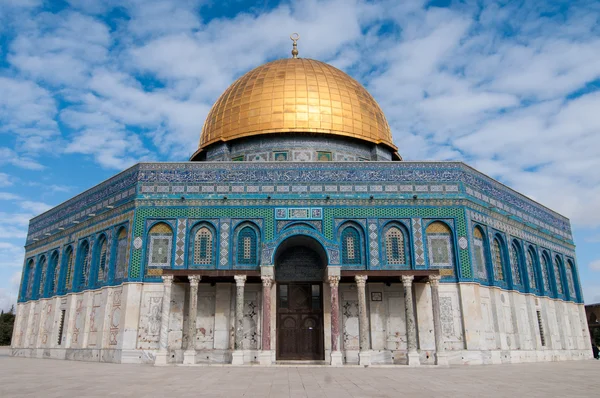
(301, 315)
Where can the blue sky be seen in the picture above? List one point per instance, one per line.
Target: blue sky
(90, 87)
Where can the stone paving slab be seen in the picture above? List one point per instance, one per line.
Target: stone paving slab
(22, 377)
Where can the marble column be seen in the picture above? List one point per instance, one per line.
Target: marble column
(238, 353)
(163, 342)
(189, 356)
(336, 354)
(265, 355)
(411, 329)
(441, 357)
(364, 356)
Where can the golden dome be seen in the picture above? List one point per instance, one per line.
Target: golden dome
(296, 95)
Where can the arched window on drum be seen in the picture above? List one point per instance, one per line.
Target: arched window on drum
(498, 259)
(395, 246)
(42, 281)
(531, 267)
(160, 246)
(515, 263)
(439, 245)
(247, 246)
(351, 246)
(479, 256)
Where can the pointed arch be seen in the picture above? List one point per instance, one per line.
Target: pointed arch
(516, 263)
(396, 245)
(352, 245)
(558, 275)
(498, 256)
(530, 260)
(53, 273)
(571, 279)
(83, 264)
(69, 267)
(42, 279)
(101, 260)
(440, 245)
(545, 266)
(202, 251)
(120, 265)
(479, 253)
(246, 245)
(160, 247)
(29, 278)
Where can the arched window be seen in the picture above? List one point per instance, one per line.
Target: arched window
(43, 271)
(83, 258)
(68, 260)
(247, 246)
(351, 246)
(203, 246)
(557, 276)
(545, 272)
(479, 254)
(439, 244)
(531, 273)
(498, 260)
(30, 278)
(121, 260)
(101, 260)
(515, 263)
(53, 274)
(395, 246)
(571, 280)
(160, 247)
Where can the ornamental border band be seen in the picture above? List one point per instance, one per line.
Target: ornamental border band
(297, 234)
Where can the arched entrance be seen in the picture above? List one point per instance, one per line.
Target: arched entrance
(300, 262)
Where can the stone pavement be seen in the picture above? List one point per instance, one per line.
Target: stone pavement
(21, 377)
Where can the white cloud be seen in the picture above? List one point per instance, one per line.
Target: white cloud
(9, 196)
(5, 180)
(36, 207)
(8, 296)
(594, 265)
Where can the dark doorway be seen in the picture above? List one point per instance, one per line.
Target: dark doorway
(299, 274)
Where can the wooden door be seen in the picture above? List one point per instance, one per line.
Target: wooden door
(300, 321)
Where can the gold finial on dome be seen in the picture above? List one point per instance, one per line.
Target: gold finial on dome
(295, 37)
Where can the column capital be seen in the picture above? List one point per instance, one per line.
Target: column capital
(167, 280)
(267, 280)
(361, 280)
(407, 280)
(194, 280)
(434, 279)
(240, 280)
(334, 280)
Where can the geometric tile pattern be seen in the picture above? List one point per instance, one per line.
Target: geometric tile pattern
(225, 232)
(418, 241)
(180, 241)
(373, 243)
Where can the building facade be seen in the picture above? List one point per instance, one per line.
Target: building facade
(296, 232)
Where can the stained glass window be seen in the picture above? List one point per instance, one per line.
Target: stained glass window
(531, 269)
(121, 261)
(161, 240)
(102, 270)
(439, 243)
(43, 267)
(84, 263)
(479, 254)
(203, 243)
(351, 250)
(515, 264)
(394, 246)
(545, 273)
(497, 260)
(246, 250)
(69, 261)
(557, 277)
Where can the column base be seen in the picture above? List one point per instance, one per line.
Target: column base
(336, 358)
(189, 357)
(265, 358)
(237, 358)
(161, 358)
(441, 359)
(364, 358)
(413, 359)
